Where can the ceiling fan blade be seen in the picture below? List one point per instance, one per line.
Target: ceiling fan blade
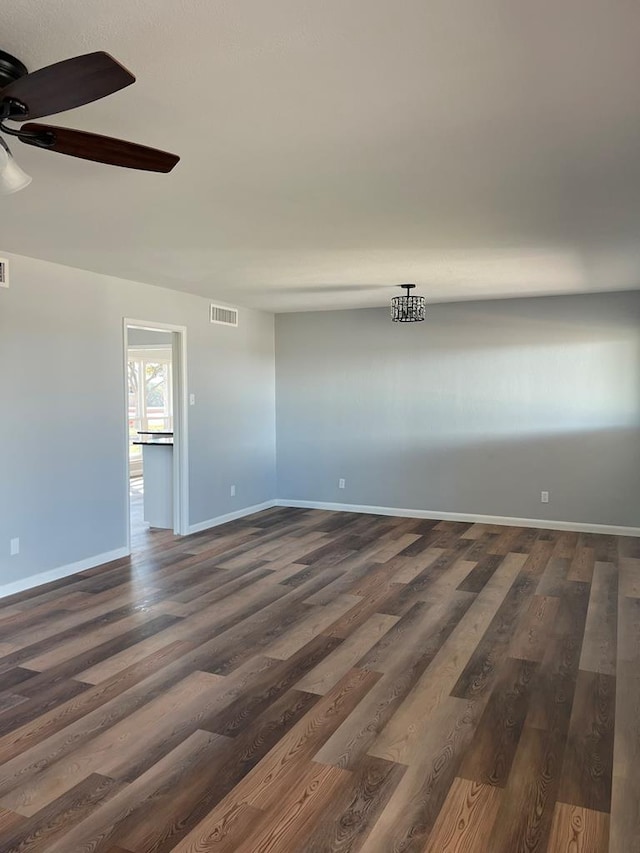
(101, 149)
(67, 84)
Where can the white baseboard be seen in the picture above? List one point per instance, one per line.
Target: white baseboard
(61, 572)
(98, 559)
(34, 581)
(547, 524)
(231, 516)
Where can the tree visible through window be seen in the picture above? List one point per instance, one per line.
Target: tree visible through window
(150, 397)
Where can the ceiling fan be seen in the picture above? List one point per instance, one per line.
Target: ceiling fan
(64, 86)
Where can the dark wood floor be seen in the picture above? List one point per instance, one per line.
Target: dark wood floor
(312, 681)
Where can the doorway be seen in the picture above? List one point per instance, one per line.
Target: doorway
(156, 434)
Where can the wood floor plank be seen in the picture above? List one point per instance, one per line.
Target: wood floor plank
(582, 565)
(348, 818)
(386, 552)
(173, 813)
(413, 567)
(10, 700)
(267, 687)
(299, 808)
(488, 760)
(481, 672)
(99, 829)
(306, 680)
(43, 696)
(475, 531)
(466, 819)
(524, 818)
(34, 643)
(262, 787)
(526, 811)
(38, 832)
(314, 729)
(554, 577)
(26, 736)
(480, 573)
(630, 576)
(313, 624)
(553, 692)
(107, 640)
(625, 794)
(411, 813)
(358, 733)
(579, 830)
(205, 599)
(588, 762)
(600, 645)
(10, 821)
(535, 628)
(566, 544)
(329, 671)
(401, 738)
(114, 752)
(505, 541)
(129, 656)
(450, 580)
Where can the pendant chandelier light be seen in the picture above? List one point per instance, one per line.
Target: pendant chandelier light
(408, 308)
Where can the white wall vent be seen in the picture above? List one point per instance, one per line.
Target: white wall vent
(223, 316)
(4, 272)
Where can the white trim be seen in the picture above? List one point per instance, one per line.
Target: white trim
(62, 572)
(161, 349)
(34, 581)
(232, 516)
(546, 524)
(180, 431)
(150, 326)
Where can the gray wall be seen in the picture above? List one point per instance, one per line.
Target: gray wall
(476, 410)
(62, 425)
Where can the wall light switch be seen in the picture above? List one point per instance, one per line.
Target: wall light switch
(544, 497)
(341, 483)
(192, 399)
(233, 491)
(14, 547)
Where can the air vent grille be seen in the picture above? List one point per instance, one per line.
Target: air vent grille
(4, 272)
(223, 316)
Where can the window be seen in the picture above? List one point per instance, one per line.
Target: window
(150, 397)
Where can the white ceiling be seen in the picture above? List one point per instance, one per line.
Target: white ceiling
(333, 149)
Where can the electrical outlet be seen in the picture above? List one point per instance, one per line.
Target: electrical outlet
(544, 497)
(233, 491)
(14, 547)
(341, 483)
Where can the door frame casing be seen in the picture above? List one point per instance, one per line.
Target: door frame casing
(180, 409)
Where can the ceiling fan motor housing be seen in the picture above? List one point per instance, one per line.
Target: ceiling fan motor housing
(11, 69)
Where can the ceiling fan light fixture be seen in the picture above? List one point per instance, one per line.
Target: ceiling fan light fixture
(12, 177)
(408, 308)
